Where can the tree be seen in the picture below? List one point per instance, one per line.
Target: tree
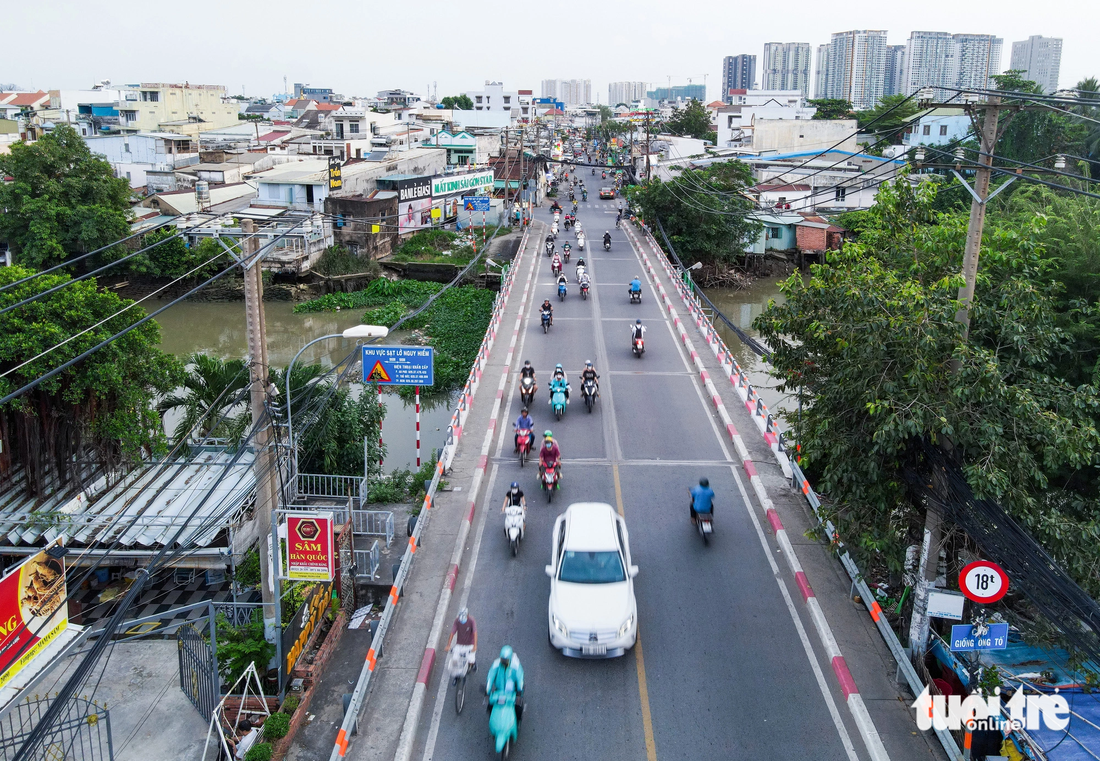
(459, 102)
(870, 339)
(62, 200)
(691, 121)
(606, 114)
(211, 389)
(832, 108)
(99, 412)
(704, 211)
(1034, 136)
(888, 118)
(172, 257)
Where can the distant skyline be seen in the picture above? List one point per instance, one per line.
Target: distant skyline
(59, 44)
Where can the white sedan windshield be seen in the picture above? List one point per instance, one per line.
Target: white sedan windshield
(591, 567)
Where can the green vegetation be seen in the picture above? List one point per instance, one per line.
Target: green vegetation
(239, 646)
(832, 108)
(893, 114)
(290, 704)
(703, 211)
(276, 726)
(338, 260)
(173, 258)
(402, 485)
(454, 324)
(259, 752)
(460, 102)
(101, 410)
(211, 388)
(870, 339)
(438, 246)
(692, 121)
(62, 201)
(248, 569)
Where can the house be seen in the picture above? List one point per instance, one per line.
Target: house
(937, 126)
(353, 226)
(778, 120)
(136, 156)
(25, 108)
(461, 148)
(778, 232)
(223, 198)
(495, 98)
(815, 234)
(782, 196)
(397, 98)
(154, 106)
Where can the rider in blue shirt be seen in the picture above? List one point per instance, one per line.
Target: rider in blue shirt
(635, 285)
(524, 423)
(702, 499)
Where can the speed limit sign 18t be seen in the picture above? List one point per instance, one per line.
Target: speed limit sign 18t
(983, 582)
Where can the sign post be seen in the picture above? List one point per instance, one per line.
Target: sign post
(309, 555)
(982, 582)
(400, 366)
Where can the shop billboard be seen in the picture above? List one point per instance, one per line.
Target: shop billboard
(462, 183)
(33, 611)
(414, 204)
(309, 550)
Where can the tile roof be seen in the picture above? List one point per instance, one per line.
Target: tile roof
(781, 187)
(28, 98)
(273, 135)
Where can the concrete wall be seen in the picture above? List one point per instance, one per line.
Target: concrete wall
(357, 235)
(789, 135)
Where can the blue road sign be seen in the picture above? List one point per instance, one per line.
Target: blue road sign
(475, 203)
(963, 639)
(398, 365)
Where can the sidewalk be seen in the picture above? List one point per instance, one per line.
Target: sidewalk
(872, 667)
(402, 661)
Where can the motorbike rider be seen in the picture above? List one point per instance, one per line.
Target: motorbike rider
(524, 423)
(505, 675)
(636, 285)
(607, 238)
(527, 371)
(514, 497)
(702, 499)
(464, 634)
(549, 454)
(637, 330)
(559, 376)
(589, 374)
(562, 280)
(547, 308)
(555, 263)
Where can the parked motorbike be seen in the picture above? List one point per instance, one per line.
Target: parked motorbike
(588, 391)
(545, 322)
(515, 519)
(527, 388)
(636, 297)
(639, 347)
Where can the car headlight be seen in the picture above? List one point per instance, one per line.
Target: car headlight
(626, 626)
(561, 627)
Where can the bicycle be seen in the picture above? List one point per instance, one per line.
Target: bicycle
(459, 667)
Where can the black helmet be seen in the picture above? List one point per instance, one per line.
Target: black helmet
(704, 482)
(526, 363)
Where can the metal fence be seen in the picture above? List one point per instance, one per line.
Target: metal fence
(328, 487)
(239, 614)
(367, 562)
(81, 733)
(373, 523)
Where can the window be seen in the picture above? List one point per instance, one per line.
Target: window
(477, 98)
(841, 193)
(126, 147)
(774, 233)
(353, 128)
(586, 567)
(943, 130)
(150, 96)
(927, 129)
(127, 175)
(309, 194)
(507, 99)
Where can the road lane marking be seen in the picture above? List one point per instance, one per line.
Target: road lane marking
(639, 660)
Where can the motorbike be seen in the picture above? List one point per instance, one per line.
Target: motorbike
(584, 196)
(584, 290)
(523, 444)
(561, 291)
(514, 523)
(636, 297)
(565, 254)
(704, 524)
(503, 725)
(639, 347)
(580, 242)
(557, 401)
(580, 272)
(549, 248)
(527, 388)
(606, 244)
(549, 481)
(555, 267)
(588, 391)
(545, 322)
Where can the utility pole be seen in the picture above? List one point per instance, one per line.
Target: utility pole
(647, 144)
(933, 533)
(264, 464)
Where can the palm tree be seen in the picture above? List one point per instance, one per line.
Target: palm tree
(212, 388)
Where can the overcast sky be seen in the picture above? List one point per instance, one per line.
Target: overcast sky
(360, 48)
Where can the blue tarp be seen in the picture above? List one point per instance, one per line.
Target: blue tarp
(1081, 740)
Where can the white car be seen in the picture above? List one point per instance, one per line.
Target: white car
(592, 612)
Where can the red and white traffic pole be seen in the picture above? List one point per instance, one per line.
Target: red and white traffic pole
(380, 458)
(417, 426)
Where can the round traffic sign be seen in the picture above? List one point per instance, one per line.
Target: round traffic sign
(984, 582)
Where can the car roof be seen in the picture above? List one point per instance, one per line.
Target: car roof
(591, 526)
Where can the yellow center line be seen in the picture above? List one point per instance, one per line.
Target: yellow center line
(639, 660)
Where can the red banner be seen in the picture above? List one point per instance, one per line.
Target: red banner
(309, 546)
(33, 611)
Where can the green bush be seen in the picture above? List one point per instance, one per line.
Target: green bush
(338, 260)
(290, 704)
(240, 646)
(248, 569)
(276, 726)
(259, 752)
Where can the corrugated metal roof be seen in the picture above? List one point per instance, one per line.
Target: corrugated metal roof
(144, 509)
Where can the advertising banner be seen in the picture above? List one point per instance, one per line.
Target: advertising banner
(414, 215)
(446, 185)
(309, 546)
(33, 611)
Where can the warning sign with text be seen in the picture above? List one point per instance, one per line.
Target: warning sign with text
(398, 365)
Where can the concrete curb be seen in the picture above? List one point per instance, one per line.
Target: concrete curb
(764, 421)
(416, 702)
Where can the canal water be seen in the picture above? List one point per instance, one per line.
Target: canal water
(218, 329)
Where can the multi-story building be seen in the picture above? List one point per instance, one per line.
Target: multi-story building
(821, 72)
(786, 66)
(945, 61)
(550, 88)
(575, 92)
(319, 94)
(625, 92)
(894, 83)
(738, 73)
(678, 92)
(493, 98)
(1040, 58)
(176, 108)
(856, 67)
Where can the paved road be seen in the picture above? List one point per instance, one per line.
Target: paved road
(722, 669)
